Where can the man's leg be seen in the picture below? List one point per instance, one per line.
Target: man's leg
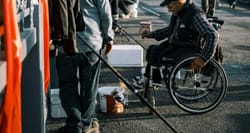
(89, 73)
(124, 9)
(115, 15)
(204, 5)
(68, 84)
(151, 57)
(211, 9)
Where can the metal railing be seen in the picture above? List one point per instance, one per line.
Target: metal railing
(29, 18)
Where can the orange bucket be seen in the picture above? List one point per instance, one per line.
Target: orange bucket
(113, 106)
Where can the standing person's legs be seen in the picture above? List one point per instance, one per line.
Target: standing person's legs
(211, 9)
(115, 15)
(124, 8)
(204, 5)
(89, 73)
(232, 3)
(69, 95)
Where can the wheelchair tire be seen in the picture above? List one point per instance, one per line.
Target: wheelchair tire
(197, 91)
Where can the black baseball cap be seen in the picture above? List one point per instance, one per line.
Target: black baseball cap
(166, 2)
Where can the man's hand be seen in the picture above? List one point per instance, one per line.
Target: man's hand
(197, 63)
(107, 47)
(147, 34)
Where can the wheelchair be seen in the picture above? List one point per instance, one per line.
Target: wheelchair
(194, 91)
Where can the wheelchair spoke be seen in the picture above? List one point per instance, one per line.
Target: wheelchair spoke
(197, 91)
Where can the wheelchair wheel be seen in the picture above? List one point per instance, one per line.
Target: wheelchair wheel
(197, 91)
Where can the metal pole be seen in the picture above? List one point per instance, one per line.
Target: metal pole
(129, 86)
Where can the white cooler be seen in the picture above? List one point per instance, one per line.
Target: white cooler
(55, 107)
(126, 56)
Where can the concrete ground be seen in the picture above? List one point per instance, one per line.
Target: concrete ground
(231, 116)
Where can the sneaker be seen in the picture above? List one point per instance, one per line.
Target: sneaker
(136, 78)
(95, 123)
(125, 16)
(94, 128)
(140, 84)
(116, 29)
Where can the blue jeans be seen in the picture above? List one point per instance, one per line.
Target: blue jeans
(79, 104)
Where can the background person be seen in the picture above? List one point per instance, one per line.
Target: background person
(232, 3)
(127, 11)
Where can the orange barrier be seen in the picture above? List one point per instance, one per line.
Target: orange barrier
(10, 113)
(46, 34)
(1, 30)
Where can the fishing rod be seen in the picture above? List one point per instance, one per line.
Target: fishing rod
(121, 29)
(150, 10)
(129, 86)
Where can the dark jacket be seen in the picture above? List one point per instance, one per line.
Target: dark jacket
(183, 32)
(186, 27)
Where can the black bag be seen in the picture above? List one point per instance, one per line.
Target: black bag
(79, 21)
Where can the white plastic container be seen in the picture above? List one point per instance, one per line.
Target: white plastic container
(126, 56)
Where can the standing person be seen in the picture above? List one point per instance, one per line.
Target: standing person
(83, 68)
(208, 6)
(187, 24)
(232, 3)
(124, 6)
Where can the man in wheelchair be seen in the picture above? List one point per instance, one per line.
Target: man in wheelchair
(187, 25)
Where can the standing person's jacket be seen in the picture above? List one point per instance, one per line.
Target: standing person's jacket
(98, 24)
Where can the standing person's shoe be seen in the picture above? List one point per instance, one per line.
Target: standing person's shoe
(94, 128)
(125, 16)
(116, 29)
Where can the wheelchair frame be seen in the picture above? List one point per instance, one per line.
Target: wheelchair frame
(187, 88)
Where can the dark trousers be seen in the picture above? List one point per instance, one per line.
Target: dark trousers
(114, 10)
(155, 53)
(123, 5)
(208, 6)
(79, 104)
(114, 7)
(231, 2)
